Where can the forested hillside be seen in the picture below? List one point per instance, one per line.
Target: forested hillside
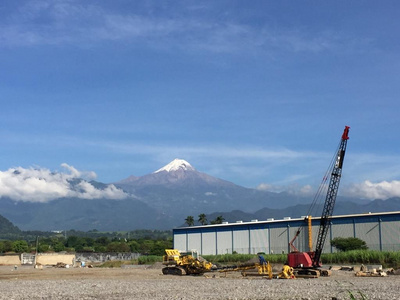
(6, 227)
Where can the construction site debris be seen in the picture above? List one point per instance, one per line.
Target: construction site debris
(61, 265)
(346, 268)
(372, 273)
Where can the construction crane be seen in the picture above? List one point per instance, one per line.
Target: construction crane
(308, 263)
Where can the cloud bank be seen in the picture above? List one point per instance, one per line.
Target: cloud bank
(293, 189)
(364, 190)
(369, 190)
(42, 185)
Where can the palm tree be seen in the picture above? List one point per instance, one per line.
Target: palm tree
(218, 220)
(202, 219)
(189, 221)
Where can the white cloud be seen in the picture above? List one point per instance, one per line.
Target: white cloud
(266, 187)
(370, 190)
(42, 185)
(79, 23)
(210, 194)
(293, 189)
(211, 150)
(78, 174)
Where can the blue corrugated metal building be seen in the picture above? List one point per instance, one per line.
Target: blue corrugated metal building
(381, 231)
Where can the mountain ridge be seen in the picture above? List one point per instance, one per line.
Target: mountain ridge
(162, 200)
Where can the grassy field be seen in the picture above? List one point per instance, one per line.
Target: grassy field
(388, 259)
(385, 258)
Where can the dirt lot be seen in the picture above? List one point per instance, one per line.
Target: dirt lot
(140, 283)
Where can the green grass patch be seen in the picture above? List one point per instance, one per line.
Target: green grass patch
(241, 258)
(388, 259)
(149, 259)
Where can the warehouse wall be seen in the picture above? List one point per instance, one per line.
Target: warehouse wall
(224, 238)
(390, 236)
(379, 231)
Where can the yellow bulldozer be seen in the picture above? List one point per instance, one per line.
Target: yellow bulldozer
(185, 263)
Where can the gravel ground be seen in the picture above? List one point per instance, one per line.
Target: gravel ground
(132, 283)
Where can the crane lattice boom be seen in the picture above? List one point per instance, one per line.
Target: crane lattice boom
(330, 198)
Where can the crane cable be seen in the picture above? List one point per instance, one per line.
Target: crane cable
(322, 187)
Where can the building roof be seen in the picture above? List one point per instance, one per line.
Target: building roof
(286, 219)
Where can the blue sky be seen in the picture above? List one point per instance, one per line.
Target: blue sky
(254, 92)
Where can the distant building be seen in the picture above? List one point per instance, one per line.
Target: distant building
(381, 231)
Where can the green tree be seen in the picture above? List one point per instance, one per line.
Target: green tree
(7, 246)
(59, 246)
(189, 221)
(79, 243)
(103, 241)
(347, 244)
(202, 219)
(159, 248)
(118, 247)
(20, 246)
(100, 244)
(43, 247)
(218, 220)
(134, 245)
(87, 249)
(146, 246)
(100, 248)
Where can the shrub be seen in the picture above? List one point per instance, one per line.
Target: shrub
(347, 244)
(20, 246)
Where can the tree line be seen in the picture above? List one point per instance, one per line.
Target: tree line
(202, 219)
(139, 242)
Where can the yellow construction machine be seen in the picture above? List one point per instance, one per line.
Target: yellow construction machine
(191, 263)
(260, 268)
(185, 263)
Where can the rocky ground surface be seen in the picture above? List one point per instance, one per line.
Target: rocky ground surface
(149, 283)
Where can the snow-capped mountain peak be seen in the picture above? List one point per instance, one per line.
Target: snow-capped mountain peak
(175, 165)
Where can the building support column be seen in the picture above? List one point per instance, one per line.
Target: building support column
(232, 242)
(288, 237)
(269, 240)
(187, 241)
(380, 234)
(201, 242)
(248, 229)
(216, 242)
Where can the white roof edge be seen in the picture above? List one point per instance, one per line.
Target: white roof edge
(289, 220)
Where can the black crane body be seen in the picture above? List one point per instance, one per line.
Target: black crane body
(311, 259)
